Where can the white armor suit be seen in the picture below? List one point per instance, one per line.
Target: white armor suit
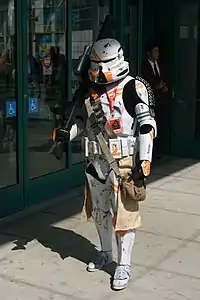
(126, 104)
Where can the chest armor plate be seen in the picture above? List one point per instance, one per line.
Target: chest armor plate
(119, 110)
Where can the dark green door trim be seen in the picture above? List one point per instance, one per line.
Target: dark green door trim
(12, 197)
(24, 19)
(140, 35)
(69, 64)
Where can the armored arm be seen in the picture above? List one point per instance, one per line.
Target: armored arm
(69, 126)
(62, 134)
(61, 137)
(75, 131)
(144, 111)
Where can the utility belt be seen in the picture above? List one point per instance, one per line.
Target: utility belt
(119, 147)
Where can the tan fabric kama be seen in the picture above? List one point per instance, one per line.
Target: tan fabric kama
(128, 210)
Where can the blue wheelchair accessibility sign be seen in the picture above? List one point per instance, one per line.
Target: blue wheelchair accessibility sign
(33, 106)
(11, 109)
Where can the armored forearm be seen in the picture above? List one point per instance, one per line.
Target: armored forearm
(147, 132)
(144, 111)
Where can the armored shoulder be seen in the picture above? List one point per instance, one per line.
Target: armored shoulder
(138, 91)
(145, 93)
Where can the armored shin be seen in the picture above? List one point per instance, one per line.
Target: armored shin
(101, 212)
(124, 246)
(103, 222)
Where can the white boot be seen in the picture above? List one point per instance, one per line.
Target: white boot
(121, 277)
(123, 271)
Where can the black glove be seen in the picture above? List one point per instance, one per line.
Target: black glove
(61, 139)
(138, 175)
(137, 172)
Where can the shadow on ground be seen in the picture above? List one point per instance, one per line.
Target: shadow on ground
(170, 166)
(66, 242)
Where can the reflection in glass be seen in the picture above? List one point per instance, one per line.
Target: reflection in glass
(84, 31)
(46, 65)
(8, 107)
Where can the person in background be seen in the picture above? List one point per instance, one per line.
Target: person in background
(154, 71)
(54, 61)
(61, 76)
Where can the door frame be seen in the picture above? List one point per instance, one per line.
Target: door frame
(27, 191)
(12, 197)
(54, 184)
(32, 191)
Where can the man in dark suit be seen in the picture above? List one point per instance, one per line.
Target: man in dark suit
(154, 72)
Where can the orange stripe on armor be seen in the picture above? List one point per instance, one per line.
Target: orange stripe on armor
(139, 85)
(93, 75)
(114, 188)
(108, 76)
(152, 134)
(54, 134)
(119, 91)
(111, 92)
(146, 166)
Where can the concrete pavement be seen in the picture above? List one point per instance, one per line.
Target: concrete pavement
(43, 256)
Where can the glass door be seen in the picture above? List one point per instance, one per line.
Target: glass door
(45, 55)
(48, 86)
(186, 108)
(46, 74)
(11, 110)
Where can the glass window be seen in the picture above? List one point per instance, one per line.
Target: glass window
(87, 16)
(46, 65)
(8, 99)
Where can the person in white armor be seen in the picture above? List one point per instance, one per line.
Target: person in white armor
(126, 105)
